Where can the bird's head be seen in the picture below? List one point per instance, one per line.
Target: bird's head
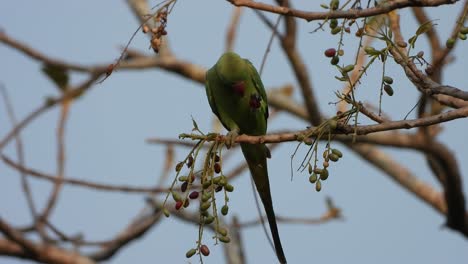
(231, 68)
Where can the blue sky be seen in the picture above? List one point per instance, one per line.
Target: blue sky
(107, 129)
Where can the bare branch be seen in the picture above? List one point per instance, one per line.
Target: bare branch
(351, 14)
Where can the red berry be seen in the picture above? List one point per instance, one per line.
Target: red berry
(193, 195)
(217, 168)
(330, 52)
(178, 205)
(205, 250)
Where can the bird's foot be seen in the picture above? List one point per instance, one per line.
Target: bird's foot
(231, 138)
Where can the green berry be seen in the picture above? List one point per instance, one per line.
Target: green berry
(348, 68)
(387, 79)
(450, 43)
(324, 175)
(333, 157)
(313, 178)
(229, 188)
(335, 60)
(337, 152)
(318, 186)
(224, 239)
(388, 89)
(190, 253)
(224, 210)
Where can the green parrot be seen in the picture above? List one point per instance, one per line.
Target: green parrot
(237, 97)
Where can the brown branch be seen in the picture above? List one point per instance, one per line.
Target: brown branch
(401, 175)
(331, 214)
(83, 183)
(71, 94)
(65, 106)
(351, 13)
(232, 29)
(20, 154)
(418, 78)
(15, 236)
(288, 43)
(49, 254)
(440, 58)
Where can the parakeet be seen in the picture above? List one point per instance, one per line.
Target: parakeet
(237, 97)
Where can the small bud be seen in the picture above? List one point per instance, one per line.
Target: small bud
(176, 196)
(206, 196)
(335, 60)
(337, 152)
(178, 205)
(324, 174)
(204, 206)
(222, 181)
(387, 79)
(190, 253)
(216, 158)
(340, 52)
(334, 4)
(205, 250)
(217, 179)
(333, 23)
(371, 50)
(186, 203)
(464, 30)
(348, 68)
(313, 178)
(218, 188)
(347, 30)
(179, 166)
(224, 210)
(194, 195)
(450, 43)
(324, 6)
(183, 178)
(318, 186)
(208, 220)
(332, 124)
(166, 212)
(462, 36)
(206, 184)
(145, 28)
(222, 231)
(402, 44)
(229, 188)
(336, 30)
(326, 164)
(317, 170)
(310, 168)
(359, 32)
(224, 239)
(330, 52)
(333, 157)
(325, 154)
(388, 89)
(420, 54)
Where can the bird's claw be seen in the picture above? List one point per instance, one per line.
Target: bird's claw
(231, 138)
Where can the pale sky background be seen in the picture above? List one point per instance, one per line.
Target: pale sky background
(107, 129)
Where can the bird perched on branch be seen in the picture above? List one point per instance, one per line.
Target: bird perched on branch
(237, 97)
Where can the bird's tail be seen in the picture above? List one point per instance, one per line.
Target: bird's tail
(256, 156)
